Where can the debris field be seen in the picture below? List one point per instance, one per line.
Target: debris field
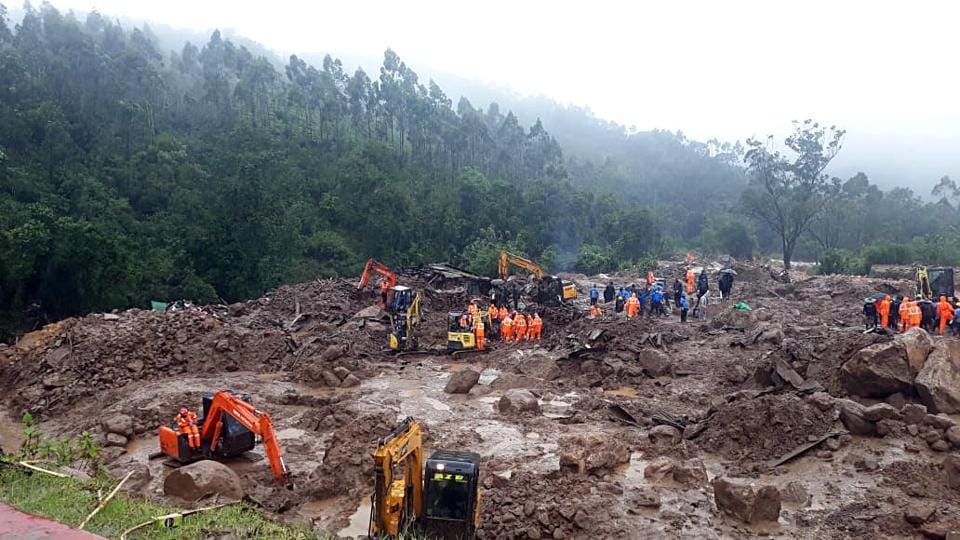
(787, 420)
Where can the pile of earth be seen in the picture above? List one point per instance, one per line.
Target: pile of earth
(764, 427)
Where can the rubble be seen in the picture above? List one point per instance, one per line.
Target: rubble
(588, 452)
(745, 503)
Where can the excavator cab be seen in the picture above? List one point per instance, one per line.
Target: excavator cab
(451, 494)
(404, 310)
(459, 337)
(932, 283)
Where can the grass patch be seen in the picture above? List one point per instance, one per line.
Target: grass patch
(69, 501)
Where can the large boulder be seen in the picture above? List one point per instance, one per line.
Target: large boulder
(951, 469)
(585, 452)
(118, 423)
(878, 371)
(938, 383)
(653, 363)
(539, 365)
(203, 479)
(853, 416)
(917, 345)
(518, 400)
(746, 504)
(462, 381)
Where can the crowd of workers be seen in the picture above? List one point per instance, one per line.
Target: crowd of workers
(654, 299)
(899, 313)
(512, 326)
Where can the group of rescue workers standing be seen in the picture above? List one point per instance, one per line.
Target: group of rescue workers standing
(654, 299)
(899, 313)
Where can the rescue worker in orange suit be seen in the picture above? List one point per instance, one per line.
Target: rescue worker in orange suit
(945, 310)
(595, 311)
(479, 332)
(519, 327)
(633, 305)
(537, 327)
(187, 423)
(691, 278)
(917, 314)
(503, 313)
(650, 279)
(904, 314)
(885, 311)
(506, 328)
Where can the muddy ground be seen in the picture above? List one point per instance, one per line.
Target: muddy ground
(637, 418)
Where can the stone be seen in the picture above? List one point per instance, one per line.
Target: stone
(350, 381)
(938, 383)
(832, 444)
(654, 363)
(645, 497)
(332, 352)
(917, 345)
(736, 374)
(110, 454)
(462, 381)
(135, 366)
(118, 423)
(886, 427)
(583, 520)
(822, 400)
(896, 400)
(111, 317)
(953, 436)
(918, 513)
(746, 504)
(912, 429)
(795, 493)
(913, 413)
(863, 463)
(586, 452)
(691, 472)
(877, 371)
(529, 508)
(940, 445)
(518, 400)
(329, 378)
(138, 481)
(939, 421)
(540, 366)
(341, 372)
(533, 532)
(664, 435)
(203, 479)
(658, 469)
(951, 468)
(881, 411)
(852, 416)
(115, 439)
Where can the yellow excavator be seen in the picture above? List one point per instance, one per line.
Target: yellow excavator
(439, 498)
(932, 283)
(460, 334)
(404, 311)
(550, 289)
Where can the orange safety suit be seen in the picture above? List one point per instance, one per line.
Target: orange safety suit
(479, 332)
(506, 328)
(384, 292)
(536, 326)
(633, 305)
(904, 314)
(946, 313)
(520, 328)
(885, 311)
(691, 278)
(916, 314)
(189, 428)
(503, 313)
(595, 311)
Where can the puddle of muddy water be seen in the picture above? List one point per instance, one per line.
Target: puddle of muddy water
(11, 432)
(359, 521)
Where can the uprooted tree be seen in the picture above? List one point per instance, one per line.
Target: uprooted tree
(786, 191)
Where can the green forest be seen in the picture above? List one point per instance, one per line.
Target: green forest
(130, 173)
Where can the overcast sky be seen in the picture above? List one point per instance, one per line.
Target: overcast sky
(886, 71)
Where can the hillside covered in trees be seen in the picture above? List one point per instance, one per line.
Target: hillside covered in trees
(129, 173)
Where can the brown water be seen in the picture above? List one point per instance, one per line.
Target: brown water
(359, 520)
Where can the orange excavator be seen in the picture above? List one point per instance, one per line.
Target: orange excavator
(229, 427)
(389, 280)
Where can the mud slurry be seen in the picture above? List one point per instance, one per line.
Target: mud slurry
(569, 470)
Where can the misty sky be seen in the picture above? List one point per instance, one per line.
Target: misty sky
(886, 71)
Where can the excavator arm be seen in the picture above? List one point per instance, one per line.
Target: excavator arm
(397, 502)
(249, 417)
(375, 267)
(506, 259)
